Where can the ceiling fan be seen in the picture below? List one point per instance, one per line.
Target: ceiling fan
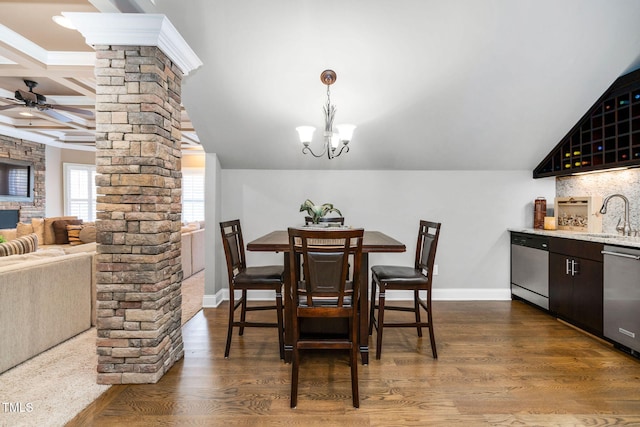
(37, 101)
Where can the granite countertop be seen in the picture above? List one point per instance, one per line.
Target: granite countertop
(606, 238)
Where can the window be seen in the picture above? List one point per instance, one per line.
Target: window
(192, 194)
(18, 180)
(80, 191)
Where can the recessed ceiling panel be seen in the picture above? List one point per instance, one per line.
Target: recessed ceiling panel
(46, 87)
(32, 19)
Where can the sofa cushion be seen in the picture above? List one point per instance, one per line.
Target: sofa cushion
(49, 236)
(23, 229)
(8, 233)
(85, 247)
(88, 233)
(38, 228)
(61, 236)
(31, 256)
(19, 245)
(189, 228)
(73, 233)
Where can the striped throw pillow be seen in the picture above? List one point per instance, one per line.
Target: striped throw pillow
(19, 246)
(73, 232)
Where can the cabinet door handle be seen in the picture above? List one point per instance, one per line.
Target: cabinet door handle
(568, 268)
(575, 267)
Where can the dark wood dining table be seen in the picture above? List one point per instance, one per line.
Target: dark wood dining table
(373, 241)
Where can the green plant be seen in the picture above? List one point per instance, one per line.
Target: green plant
(317, 211)
(2, 239)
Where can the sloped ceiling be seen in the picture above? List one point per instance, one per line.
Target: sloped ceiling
(431, 84)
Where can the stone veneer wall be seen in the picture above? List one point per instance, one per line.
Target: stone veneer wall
(18, 149)
(139, 273)
(603, 184)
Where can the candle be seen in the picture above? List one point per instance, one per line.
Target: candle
(549, 222)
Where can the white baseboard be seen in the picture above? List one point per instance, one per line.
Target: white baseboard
(492, 294)
(438, 295)
(212, 301)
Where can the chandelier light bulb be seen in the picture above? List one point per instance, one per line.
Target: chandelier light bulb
(346, 132)
(335, 140)
(305, 133)
(332, 139)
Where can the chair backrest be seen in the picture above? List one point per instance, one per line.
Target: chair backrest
(333, 219)
(233, 247)
(325, 260)
(428, 235)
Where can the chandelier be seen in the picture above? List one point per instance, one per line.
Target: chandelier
(332, 139)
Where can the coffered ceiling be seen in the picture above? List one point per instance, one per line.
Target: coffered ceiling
(431, 84)
(33, 47)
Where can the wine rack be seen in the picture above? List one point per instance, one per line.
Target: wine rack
(606, 137)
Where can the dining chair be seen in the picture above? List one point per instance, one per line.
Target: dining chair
(325, 293)
(330, 219)
(417, 278)
(243, 279)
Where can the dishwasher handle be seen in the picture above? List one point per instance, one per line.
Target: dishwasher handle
(620, 254)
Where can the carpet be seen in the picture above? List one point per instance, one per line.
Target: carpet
(192, 295)
(53, 387)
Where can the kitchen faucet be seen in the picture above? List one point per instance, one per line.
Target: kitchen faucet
(626, 228)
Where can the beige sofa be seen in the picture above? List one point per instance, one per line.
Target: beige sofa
(43, 302)
(192, 252)
(49, 296)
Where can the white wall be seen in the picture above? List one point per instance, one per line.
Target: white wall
(215, 266)
(475, 208)
(54, 185)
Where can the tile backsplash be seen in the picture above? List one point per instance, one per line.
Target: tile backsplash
(603, 184)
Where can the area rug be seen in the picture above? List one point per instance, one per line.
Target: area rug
(53, 387)
(192, 295)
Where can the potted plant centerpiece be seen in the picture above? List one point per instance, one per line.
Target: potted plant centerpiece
(317, 211)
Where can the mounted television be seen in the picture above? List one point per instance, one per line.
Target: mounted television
(16, 180)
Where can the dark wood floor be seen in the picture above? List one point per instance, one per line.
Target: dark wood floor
(500, 364)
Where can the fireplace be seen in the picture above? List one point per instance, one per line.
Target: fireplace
(9, 218)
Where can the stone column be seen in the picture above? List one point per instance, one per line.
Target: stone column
(140, 61)
(138, 157)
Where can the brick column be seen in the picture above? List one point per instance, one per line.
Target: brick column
(139, 273)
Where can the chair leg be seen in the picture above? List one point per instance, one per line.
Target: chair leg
(295, 367)
(432, 337)
(372, 309)
(243, 311)
(279, 309)
(232, 309)
(380, 322)
(416, 307)
(355, 395)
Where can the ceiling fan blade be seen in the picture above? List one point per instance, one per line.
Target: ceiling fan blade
(54, 115)
(28, 97)
(71, 110)
(6, 107)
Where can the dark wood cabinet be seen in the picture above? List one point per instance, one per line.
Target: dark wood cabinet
(606, 137)
(575, 282)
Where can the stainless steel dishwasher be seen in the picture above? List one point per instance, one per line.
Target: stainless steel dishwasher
(530, 268)
(621, 307)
